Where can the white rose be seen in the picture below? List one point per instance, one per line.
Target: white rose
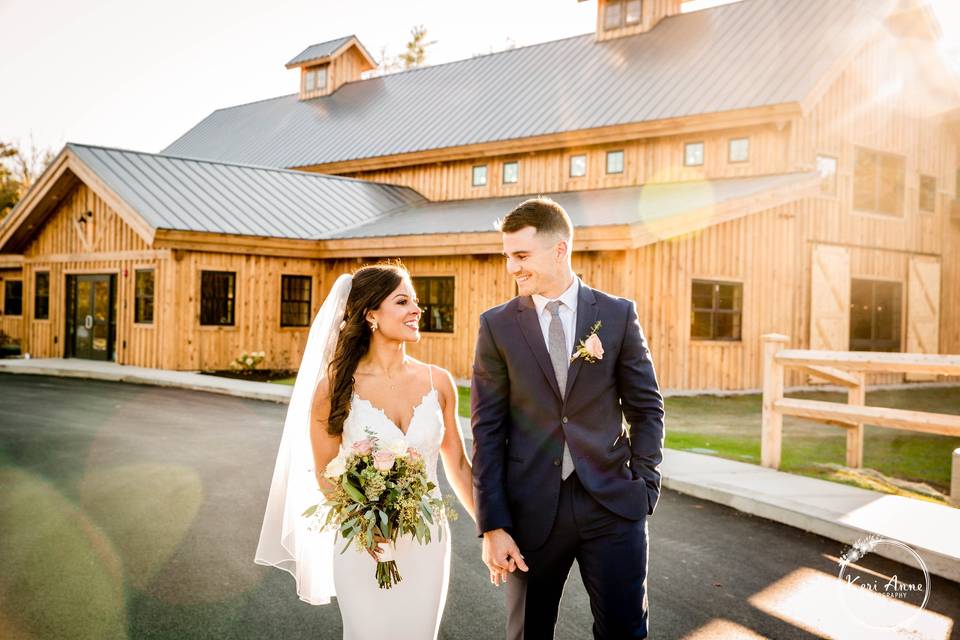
(249, 360)
(397, 448)
(336, 467)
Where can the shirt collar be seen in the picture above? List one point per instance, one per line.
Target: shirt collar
(568, 297)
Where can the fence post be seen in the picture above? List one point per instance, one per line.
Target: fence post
(856, 396)
(955, 479)
(771, 425)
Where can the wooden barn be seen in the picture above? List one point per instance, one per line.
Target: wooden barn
(787, 166)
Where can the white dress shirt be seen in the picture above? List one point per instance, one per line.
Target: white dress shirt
(567, 311)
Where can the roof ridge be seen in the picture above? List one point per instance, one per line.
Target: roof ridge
(312, 174)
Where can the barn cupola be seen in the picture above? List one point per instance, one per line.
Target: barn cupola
(324, 67)
(617, 18)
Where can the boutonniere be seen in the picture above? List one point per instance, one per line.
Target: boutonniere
(590, 348)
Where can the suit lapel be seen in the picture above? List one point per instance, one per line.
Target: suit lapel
(587, 312)
(530, 328)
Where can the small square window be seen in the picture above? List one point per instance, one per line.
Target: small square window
(511, 172)
(578, 166)
(827, 168)
(480, 175)
(739, 150)
(615, 161)
(693, 154)
(928, 193)
(633, 12)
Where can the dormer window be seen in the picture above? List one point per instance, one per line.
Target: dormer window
(315, 78)
(693, 154)
(622, 13)
(480, 175)
(511, 172)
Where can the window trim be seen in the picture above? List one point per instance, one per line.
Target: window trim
(233, 311)
(5, 283)
(570, 165)
(920, 193)
(730, 142)
(297, 327)
(853, 192)
(835, 191)
(153, 297)
(36, 297)
(453, 305)
(503, 172)
(713, 339)
(473, 175)
(703, 160)
(623, 162)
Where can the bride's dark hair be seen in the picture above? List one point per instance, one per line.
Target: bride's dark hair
(371, 285)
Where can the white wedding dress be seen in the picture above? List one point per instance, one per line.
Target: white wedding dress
(411, 609)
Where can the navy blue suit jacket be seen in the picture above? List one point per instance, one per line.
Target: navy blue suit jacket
(519, 418)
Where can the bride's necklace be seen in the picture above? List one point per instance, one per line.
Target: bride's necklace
(393, 386)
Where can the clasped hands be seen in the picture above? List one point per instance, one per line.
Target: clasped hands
(501, 555)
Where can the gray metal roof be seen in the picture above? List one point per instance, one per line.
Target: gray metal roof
(735, 56)
(597, 207)
(320, 50)
(193, 195)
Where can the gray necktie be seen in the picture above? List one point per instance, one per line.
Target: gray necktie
(561, 362)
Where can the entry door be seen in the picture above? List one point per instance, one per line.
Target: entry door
(92, 317)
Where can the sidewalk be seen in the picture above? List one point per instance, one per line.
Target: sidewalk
(829, 509)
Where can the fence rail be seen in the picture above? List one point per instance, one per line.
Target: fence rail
(848, 369)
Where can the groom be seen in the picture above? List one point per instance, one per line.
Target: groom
(556, 475)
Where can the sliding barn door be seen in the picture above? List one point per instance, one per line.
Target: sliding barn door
(829, 300)
(923, 309)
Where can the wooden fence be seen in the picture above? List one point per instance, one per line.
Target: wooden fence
(848, 369)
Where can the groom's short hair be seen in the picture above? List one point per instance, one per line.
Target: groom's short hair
(541, 213)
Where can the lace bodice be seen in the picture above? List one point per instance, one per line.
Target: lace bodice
(425, 432)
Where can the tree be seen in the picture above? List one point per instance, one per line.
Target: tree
(415, 54)
(19, 169)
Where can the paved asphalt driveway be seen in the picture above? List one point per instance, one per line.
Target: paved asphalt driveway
(129, 511)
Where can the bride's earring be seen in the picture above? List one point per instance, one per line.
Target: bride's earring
(373, 325)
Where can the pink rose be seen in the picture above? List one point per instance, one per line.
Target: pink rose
(414, 455)
(593, 347)
(363, 447)
(383, 460)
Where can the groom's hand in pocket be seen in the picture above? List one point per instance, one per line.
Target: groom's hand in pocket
(501, 555)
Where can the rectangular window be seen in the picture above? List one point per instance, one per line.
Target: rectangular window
(613, 14)
(693, 154)
(295, 301)
(739, 150)
(928, 193)
(633, 11)
(143, 296)
(878, 182)
(13, 298)
(715, 310)
(615, 161)
(874, 315)
(436, 296)
(578, 166)
(41, 296)
(480, 175)
(827, 168)
(310, 80)
(217, 297)
(511, 172)
(322, 77)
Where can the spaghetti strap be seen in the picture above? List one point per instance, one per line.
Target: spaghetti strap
(430, 369)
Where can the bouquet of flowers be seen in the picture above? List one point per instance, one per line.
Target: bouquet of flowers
(381, 489)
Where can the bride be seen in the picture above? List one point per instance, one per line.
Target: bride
(356, 376)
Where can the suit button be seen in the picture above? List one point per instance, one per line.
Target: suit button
(556, 462)
(564, 420)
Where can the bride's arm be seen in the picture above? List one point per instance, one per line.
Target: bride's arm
(456, 463)
(325, 446)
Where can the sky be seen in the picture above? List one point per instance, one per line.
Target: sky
(138, 74)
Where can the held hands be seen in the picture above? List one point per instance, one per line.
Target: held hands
(501, 555)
